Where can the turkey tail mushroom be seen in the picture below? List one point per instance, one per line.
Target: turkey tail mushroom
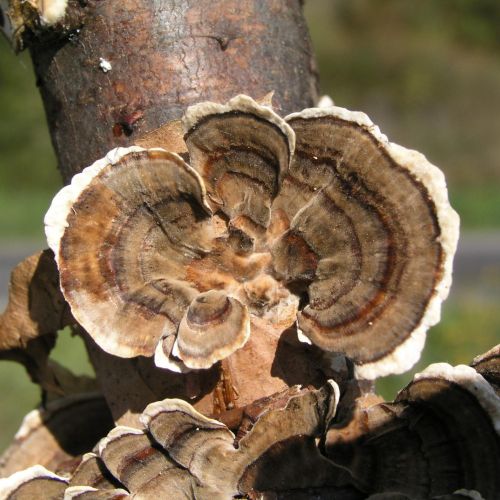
(34, 482)
(225, 466)
(212, 328)
(431, 441)
(92, 473)
(133, 459)
(184, 455)
(122, 232)
(369, 237)
(140, 243)
(242, 150)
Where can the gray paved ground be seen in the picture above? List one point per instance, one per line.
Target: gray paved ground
(476, 269)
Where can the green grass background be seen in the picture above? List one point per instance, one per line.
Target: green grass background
(426, 71)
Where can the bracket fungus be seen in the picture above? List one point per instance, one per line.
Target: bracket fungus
(439, 439)
(315, 220)
(34, 482)
(212, 328)
(440, 435)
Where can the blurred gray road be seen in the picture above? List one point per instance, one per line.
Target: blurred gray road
(476, 269)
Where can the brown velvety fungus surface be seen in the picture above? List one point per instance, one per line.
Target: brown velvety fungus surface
(212, 328)
(92, 472)
(34, 482)
(369, 236)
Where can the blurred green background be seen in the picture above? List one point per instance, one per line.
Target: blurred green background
(426, 71)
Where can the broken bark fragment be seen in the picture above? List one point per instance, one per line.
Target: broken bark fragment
(488, 365)
(36, 305)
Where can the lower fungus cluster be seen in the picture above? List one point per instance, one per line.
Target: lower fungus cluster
(314, 222)
(417, 447)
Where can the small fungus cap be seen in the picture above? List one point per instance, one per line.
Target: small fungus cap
(212, 328)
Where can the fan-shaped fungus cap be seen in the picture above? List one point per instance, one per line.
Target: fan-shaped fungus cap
(212, 328)
(34, 482)
(440, 435)
(242, 150)
(347, 232)
(92, 473)
(138, 463)
(123, 448)
(122, 233)
(207, 448)
(370, 237)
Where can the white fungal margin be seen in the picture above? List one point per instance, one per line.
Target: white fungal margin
(10, 484)
(166, 362)
(172, 405)
(469, 379)
(56, 217)
(116, 433)
(76, 491)
(31, 421)
(241, 103)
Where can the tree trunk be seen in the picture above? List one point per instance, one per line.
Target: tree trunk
(164, 56)
(117, 70)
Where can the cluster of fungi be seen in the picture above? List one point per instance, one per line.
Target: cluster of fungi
(245, 283)
(240, 280)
